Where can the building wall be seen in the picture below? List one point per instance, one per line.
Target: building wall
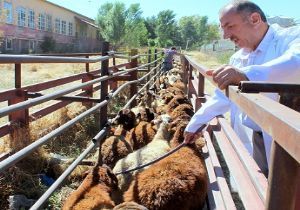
(24, 35)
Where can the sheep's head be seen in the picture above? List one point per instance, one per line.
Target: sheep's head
(146, 115)
(178, 131)
(103, 174)
(127, 118)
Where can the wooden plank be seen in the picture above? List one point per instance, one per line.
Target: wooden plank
(270, 116)
(247, 192)
(217, 178)
(284, 177)
(257, 177)
(201, 69)
(215, 200)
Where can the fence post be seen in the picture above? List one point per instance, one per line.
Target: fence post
(185, 72)
(149, 67)
(190, 77)
(104, 85)
(89, 89)
(133, 75)
(284, 174)
(21, 116)
(113, 84)
(283, 180)
(155, 58)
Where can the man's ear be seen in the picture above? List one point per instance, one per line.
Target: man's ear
(255, 18)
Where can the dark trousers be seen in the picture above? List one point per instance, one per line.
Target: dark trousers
(259, 152)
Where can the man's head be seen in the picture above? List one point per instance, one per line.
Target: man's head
(173, 48)
(244, 23)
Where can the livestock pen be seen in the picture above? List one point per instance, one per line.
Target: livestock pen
(255, 191)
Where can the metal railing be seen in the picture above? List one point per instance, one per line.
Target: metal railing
(105, 97)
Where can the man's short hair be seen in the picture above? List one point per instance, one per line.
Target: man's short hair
(173, 48)
(247, 7)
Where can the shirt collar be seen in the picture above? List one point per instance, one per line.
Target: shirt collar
(263, 45)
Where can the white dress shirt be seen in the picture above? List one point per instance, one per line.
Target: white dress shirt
(276, 59)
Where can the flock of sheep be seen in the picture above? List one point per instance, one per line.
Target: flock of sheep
(142, 134)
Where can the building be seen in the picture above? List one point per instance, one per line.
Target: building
(24, 24)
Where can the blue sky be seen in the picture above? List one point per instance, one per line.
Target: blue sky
(210, 8)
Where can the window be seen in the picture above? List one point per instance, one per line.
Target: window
(31, 19)
(63, 27)
(70, 29)
(49, 23)
(8, 12)
(42, 22)
(57, 26)
(21, 16)
(8, 44)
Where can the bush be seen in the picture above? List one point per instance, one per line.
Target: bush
(48, 44)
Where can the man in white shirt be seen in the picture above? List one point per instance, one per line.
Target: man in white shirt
(268, 53)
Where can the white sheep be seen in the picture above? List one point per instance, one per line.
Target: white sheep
(156, 148)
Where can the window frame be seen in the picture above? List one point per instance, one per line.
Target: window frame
(21, 13)
(63, 27)
(31, 19)
(49, 22)
(8, 10)
(57, 25)
(70, 29)
(41, 22)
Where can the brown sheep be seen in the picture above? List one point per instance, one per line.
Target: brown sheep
(115, 148)
(94, 192)
(179, 84)
(177, 182)
(129, 206)
(141, 135)
(176, 101)
(181, 110)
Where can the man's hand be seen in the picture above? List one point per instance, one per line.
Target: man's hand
(190, 138)
(227, 75)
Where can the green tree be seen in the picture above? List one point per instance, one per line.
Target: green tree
(213, 33)
(188, 30)
(195, 31)
(135, 30)
(111, 20)
(150, 23)
(165, 28)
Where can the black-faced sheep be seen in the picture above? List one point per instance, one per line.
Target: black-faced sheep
(126, 118)
(94, 192)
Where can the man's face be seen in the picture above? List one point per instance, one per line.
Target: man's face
(237, 28)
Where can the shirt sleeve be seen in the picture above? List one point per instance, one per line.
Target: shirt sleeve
(285, 68)
(216, 105)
